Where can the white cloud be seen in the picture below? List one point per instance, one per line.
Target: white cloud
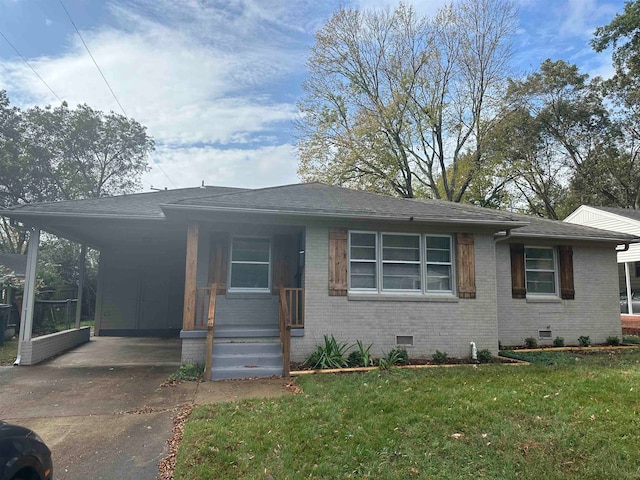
(188, 167)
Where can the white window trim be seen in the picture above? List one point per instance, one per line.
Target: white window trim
(423, 266)
(375, 261)
(450, 264)
(232, 289)
(400, 262)
(555, 272)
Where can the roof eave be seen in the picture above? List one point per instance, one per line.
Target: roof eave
(30, 215)
(577, 238)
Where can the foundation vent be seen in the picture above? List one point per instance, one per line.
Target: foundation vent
(544, 333)
(404, 340)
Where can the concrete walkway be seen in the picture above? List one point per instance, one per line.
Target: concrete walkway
(101, 408)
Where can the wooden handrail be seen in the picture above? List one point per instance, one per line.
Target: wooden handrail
(211, 321)
(285, 331)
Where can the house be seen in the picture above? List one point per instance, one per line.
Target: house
(622, 220)
(272, 270)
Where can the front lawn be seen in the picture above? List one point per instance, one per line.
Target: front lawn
(491, 421)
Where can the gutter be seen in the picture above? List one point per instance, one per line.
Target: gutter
(16, 214)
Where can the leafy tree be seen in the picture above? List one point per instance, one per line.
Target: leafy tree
(49, 154)
(400, 104)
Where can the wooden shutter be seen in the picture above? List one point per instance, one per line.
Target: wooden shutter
(338, 245)
(466, 263)
(219, 261)
(518, 287)
(567, 290)
(283, 250)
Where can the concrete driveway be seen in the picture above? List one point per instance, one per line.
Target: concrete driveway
(101, 408)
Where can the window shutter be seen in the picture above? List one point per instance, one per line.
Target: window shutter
(219, 261)
(282, 250)
(567, 290)
(518, 287)
(338, 262)
(466, 263)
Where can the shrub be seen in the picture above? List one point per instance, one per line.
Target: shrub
(484, 356)
(360, 357)
(584, 340)
(531, 342)
(397, 356)
(188, 372)
(440, 357)
(558, 342)
(613, 341)
(328, 355)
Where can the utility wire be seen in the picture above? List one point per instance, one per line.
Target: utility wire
(31, 67)
(94, 60)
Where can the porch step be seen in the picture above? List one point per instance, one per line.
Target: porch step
(246, 360)
(245, 331)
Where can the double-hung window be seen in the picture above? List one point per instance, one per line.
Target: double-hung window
(250, 264)
(540, 270)
(438, 260)
(400, 262)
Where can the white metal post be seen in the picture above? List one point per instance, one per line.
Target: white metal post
(29, 296)
(627, 280)
(83, 256)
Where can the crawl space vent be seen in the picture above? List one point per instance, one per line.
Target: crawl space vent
(544, 333)
(404, 340)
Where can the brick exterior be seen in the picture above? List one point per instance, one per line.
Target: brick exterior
(41, 348)
(593, 312)
(446, 325)
(194, 350)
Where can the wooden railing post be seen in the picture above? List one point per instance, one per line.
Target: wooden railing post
(189, 312)
(211, 320)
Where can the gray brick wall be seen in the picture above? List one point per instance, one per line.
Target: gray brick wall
(594, 312)
(435, 325)
(41, 348)
(194, 350)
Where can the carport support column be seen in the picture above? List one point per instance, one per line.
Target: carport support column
(83, 258)
(26, 318)
(627, 281)
(190, 279)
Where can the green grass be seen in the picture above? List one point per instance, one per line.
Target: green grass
(8, 352)
(492, 421)
(188, 373)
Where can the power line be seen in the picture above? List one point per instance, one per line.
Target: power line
(31, 67)
(94, 60)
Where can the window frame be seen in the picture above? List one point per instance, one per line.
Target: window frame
(400, 262)
(233, 289)
(380, 262)
(450, 264)
(555, 271)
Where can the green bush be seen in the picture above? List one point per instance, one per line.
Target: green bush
(440, 357)
(584, 340)
(328, 355)
(558, 342)
(188, 372)
(360, 357)
(484, 356)
(397, 356)
(531, 342)
(613, 341)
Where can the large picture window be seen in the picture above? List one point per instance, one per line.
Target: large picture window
(540, 270)
(250, 264)
(400, 262)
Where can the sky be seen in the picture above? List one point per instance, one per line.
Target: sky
(216, 82)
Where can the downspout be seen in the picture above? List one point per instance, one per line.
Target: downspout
(505, 237)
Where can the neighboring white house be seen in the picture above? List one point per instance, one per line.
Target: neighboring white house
(623, 220)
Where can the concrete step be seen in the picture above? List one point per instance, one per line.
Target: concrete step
(246, 360)
(237, 373)
(245, 331)
(246, 348)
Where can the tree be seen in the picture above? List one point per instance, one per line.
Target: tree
(49, 154)
(400, 104)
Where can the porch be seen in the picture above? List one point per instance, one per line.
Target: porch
(240, 323)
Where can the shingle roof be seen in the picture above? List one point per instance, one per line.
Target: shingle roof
(137, 205)
(14, 262)
(623, 212)
(318, 199)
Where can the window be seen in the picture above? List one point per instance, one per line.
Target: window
(250, 264)
(363, 247)
(400, 262)
(438, 262)
(540, 270)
